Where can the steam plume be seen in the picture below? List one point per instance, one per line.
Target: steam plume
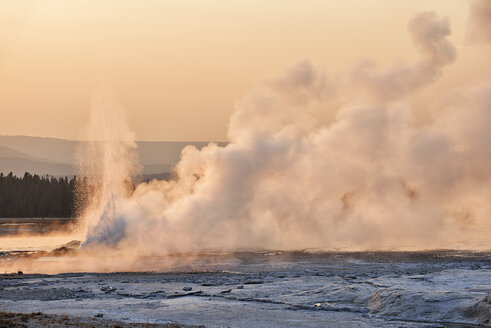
(371, 179)
(108, 159)
(303, 83)
(429, 33)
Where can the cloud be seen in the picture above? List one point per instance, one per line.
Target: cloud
(429, 34)
(303, 83)
(370, 179)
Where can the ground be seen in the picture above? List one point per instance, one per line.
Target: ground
(276, 289)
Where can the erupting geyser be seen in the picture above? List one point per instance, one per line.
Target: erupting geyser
(108, 161)
(370, 179)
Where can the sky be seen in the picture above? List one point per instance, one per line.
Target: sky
(178, 68)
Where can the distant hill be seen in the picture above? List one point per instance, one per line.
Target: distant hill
(56, 150)
(18, 163)
(52, 156)
(12, 153)
(19, 166)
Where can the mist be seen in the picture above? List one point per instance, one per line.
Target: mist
(371, 179)
(430, 36)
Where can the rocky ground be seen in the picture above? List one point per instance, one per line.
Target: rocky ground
(404, 289)
(41, 320)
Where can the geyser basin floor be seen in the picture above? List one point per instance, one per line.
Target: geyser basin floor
(404, 289)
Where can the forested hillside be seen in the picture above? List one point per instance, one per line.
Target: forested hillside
(36, 196)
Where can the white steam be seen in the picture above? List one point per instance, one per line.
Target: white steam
(108, 160)
(302, 83)
(371, 179)
(429, 33)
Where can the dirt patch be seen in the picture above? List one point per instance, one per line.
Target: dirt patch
(39, 319)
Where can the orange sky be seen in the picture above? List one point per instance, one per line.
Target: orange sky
(178, 67)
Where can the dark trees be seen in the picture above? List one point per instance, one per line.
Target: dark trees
(35, 196)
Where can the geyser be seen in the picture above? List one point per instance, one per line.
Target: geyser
(108, 161)
(370, 179)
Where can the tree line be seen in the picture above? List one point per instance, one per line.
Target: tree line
(37, 196)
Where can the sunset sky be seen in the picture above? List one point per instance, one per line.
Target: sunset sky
(178, 67)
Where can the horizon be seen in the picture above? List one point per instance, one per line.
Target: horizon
(81, 140)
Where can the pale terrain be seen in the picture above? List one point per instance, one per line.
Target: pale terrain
(275, 289)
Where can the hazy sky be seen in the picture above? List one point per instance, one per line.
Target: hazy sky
(178, 67)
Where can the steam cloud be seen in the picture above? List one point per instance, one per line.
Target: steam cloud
(302, 83)
(371, 179)
(429, 33)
